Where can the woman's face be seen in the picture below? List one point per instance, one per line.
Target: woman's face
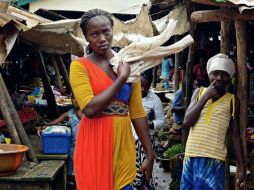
(145, 86)
(99, 34)
(222, 80)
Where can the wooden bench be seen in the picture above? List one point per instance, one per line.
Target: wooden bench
(47, 175)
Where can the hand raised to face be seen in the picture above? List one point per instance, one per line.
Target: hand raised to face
(211, 91)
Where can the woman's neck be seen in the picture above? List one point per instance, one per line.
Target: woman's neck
(102, 57)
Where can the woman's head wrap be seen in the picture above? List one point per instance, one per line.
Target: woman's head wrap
(220, 62)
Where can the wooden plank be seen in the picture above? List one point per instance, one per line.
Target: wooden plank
(214, 3)
(25, 167)
(17, 122)
(45, 171)
(220, 15)
(242, 92)
(25, 186)
(51, 101)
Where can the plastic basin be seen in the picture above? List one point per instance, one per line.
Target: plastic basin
(11, 157)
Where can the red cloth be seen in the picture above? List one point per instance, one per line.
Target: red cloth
(25, 115)
(198, 73)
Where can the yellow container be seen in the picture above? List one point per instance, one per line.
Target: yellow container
(31, 99)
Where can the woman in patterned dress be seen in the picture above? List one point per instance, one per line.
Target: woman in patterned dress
(105, 152)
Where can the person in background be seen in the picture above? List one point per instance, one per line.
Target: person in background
(199, 70)
(211, 113)
(178, 109)
(72, 117)
(166, 75)
(152, 103)
(156, 120)
(104, 156)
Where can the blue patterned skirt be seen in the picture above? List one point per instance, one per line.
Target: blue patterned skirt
(203, 174)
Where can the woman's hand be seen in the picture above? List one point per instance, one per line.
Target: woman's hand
(39, 129)
(147, 168)
(123, 70)
(211, 91)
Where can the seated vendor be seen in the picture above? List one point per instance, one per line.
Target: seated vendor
(178, 109)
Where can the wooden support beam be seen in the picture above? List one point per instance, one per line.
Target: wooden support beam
(17, 122)
(214, 3)
(6, 113)
(63, 72)
(166, 4)
(242, 94)
(220, 15)
(189, 68)
(58, 76)
(52, 15)
(225, 36)
(176, 69)
(224, 48)
(51, 101)
(155, 69)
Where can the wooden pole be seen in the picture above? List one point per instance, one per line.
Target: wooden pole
(214, 3)
(242, 94)
(225, 36)
(220, 15)
(224, 48)
(155, 69)
(189, 68)
(17, 122)
(5, 110)
(63, 72)
(58, 76)
(176, 70)
(51, 101)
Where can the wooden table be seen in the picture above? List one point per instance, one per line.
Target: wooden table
(47, 175)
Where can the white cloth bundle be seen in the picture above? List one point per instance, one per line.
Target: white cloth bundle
(148, 52)
(220, 62)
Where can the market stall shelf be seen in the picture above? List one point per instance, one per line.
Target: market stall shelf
(46, 175)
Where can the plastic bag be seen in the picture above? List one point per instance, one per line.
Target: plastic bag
(57, 129)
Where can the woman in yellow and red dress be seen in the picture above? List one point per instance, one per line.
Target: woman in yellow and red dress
(105, 152)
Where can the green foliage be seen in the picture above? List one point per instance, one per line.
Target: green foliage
(173, 150)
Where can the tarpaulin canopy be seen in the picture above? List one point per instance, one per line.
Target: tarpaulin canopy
(65, 36)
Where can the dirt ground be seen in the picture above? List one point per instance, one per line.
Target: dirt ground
(161, 178)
